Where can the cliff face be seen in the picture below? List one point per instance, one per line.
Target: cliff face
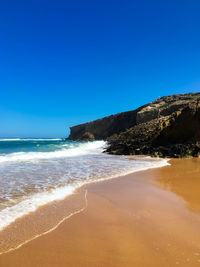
(168, 127)
(103, 128)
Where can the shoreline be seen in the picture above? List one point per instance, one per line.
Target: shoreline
(40, 199)
(50, 230)
(132, 187)
(73, 191)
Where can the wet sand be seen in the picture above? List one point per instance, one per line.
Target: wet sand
(149, 218)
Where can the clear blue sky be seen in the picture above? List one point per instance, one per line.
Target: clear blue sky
(67, 62)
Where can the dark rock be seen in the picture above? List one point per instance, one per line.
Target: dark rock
(166, 127)
(87, 136)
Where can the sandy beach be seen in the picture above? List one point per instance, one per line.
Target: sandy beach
(148, 218)
(100, 134)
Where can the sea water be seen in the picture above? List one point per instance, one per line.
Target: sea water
(35, 172)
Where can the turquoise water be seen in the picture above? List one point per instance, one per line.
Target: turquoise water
(31, 145)
(34, 172)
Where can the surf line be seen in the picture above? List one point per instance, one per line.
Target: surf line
(51, 229)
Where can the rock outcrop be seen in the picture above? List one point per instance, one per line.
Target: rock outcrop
(103, 128)
(166, 127)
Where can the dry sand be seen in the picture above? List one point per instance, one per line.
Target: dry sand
(149, 218)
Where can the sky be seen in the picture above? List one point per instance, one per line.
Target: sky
(64, 63)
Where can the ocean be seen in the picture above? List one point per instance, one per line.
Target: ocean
(35, 172)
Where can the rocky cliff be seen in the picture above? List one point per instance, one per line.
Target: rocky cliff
(166, 127)
(103, 128)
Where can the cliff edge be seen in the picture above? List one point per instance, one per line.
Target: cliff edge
(166, 127)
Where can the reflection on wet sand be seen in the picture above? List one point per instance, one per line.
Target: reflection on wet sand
(135, 220)
(183, 178)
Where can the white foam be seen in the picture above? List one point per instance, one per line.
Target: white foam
(49, 230)
(30, 139)
(81, 149)
(9, 139)
(10, 214)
